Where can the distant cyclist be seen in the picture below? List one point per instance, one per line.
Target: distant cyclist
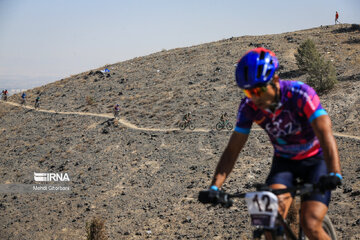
(116, 110)
(299, 129)
(187, 117)
(224, 117)
(4, 94)
(37, 102)
(23, 98)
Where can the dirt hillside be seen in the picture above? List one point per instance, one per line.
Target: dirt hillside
(141, 174)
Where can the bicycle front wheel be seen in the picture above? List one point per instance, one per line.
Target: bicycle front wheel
(329, 228)
(229, 126)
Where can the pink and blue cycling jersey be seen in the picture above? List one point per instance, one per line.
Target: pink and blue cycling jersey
(289, 128)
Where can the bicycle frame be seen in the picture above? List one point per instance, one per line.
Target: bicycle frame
(279, 220)
(286, 228)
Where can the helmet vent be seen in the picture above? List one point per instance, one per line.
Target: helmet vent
(259, 71)
(262, 55)
(268, 73)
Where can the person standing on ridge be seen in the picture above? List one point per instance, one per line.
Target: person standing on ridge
(336, 17)
(299, 129)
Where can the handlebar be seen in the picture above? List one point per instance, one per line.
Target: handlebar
(298, 190)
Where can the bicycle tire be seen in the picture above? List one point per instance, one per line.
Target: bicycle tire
(229, 126)
(182, 126)
(329, 228)
(219, 126)
(191, 126)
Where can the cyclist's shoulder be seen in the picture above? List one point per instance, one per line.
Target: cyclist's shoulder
(247, 105)
(289, 84)
(295, 88)
(247, 110)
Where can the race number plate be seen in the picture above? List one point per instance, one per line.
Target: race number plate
(263, 208)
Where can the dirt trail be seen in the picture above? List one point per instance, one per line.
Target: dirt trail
(132, 126)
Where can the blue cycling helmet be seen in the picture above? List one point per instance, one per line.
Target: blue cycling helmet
(256, 68)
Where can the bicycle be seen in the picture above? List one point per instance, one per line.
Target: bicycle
(37, 105)
(116, 114)
(23, 101)
(4, 97)
(222, 124)
(184, 124)
(263, 210)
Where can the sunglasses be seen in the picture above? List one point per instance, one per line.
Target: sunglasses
(255, 91)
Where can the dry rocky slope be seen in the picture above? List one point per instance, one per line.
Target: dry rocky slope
(144, 183)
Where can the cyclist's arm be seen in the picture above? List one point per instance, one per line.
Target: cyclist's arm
(228, 158)
(322, 129)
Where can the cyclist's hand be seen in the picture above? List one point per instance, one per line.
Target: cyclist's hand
(329, 182)
(208, 196)
(215, 197)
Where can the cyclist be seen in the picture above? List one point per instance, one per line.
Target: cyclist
(37, 101)
(224, 117)
(116, 110)
(300, 132)
(4, 94)
(23, 98)
(187, 117)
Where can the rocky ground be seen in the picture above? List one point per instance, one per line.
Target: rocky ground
(144, 181)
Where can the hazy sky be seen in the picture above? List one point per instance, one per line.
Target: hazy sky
(45, 40)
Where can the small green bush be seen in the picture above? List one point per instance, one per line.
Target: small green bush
(321, 73)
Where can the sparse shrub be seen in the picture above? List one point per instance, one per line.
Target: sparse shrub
(321, 73)
(306, 54)
(96, 229)
(322, 77)
(90, 100)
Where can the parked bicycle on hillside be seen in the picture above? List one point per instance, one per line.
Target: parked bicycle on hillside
(263, 209)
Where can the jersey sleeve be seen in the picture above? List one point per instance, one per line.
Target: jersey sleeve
(309, 103)
(244, 119)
